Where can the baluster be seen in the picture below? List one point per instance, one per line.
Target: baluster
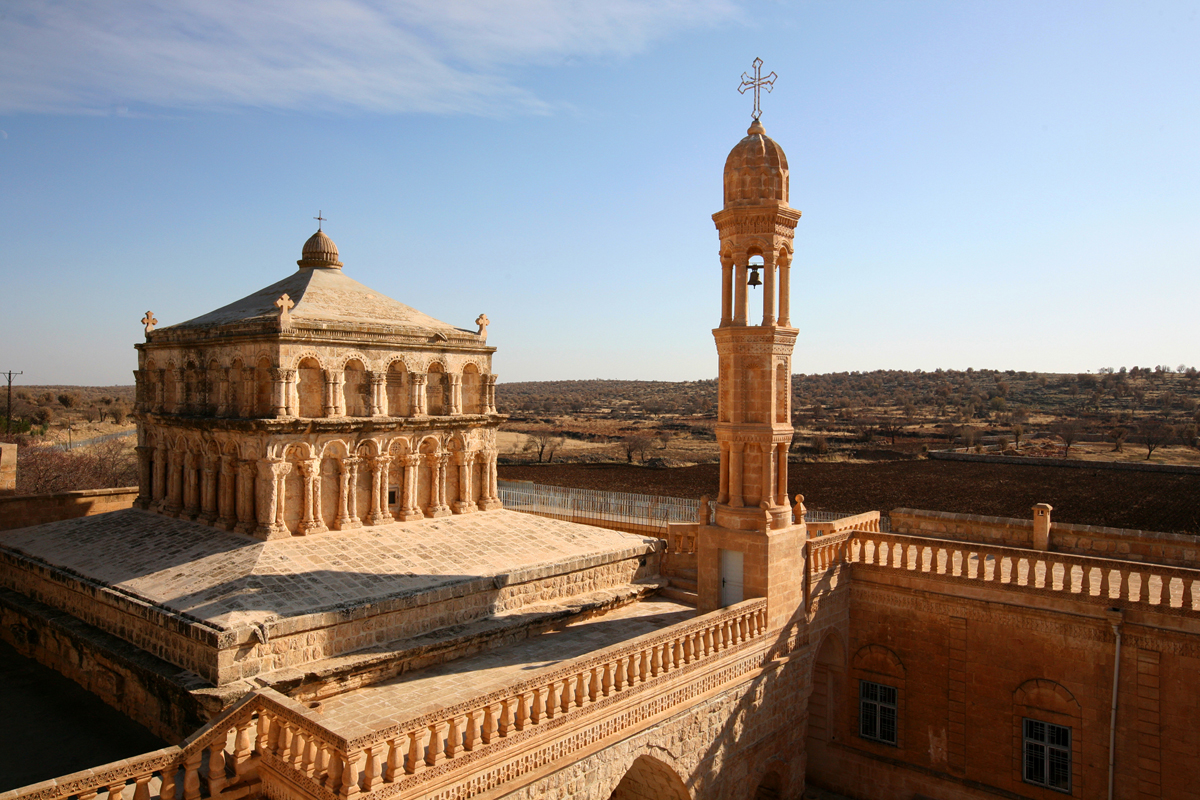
(260, 741)
(1154, 589)
(295, 753)
(1022, 571)
(471, 735)
(241, 749)
(322, 762)
(191, 775)
(1005, 568)
(521, 717)
(274, 730)
(312, 749)
(167, 790)
(1059, 572)
(619, 674)
(565, 695)
(505, 724)
(607, 681)
(371, 770)
(141, 788)
(435, 753)
(414, 762)
(710, 641)
(351, 775)
(454, 736)
(644, 666)
(333, 776)
(393, 768)
(677, 654)
(1076, 579)
(1190, 587)
(655, 661)
(593, 679)
(116, 790)
(1174, 588)
(216, 768)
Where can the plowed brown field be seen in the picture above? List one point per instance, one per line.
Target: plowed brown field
(1119, 499)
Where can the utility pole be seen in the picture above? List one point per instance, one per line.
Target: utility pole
(8, 414)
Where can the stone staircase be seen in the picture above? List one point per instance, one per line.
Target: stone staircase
(681, 584)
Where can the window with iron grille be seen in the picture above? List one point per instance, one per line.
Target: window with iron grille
(877, 712)
(1047, 754)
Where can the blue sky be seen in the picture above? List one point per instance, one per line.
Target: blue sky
(1003, 184)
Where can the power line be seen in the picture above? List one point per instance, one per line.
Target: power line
(8, 416)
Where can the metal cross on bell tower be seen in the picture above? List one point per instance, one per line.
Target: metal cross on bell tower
(756, 83)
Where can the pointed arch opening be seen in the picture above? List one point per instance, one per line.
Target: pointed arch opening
(650, 779)
(398, 390)
(356, 389)
(311, 387)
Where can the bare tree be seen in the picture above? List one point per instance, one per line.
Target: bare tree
(1154, 434)
(543, 441)
(1118, 435)
(635, 444)
(1018, 430)
(1068, 431)
(889, 426)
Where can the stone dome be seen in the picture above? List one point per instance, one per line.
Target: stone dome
(319, 251)
(756, 171)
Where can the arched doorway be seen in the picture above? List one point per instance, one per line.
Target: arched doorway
(650, 779)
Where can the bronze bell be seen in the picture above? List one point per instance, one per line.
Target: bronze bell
(754, 281)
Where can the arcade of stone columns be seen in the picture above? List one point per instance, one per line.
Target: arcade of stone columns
(259, 477)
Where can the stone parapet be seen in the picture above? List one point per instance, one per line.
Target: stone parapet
(22, 511)
(1175, 549)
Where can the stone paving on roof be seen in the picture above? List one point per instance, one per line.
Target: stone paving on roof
(230, 580)
(426, 690)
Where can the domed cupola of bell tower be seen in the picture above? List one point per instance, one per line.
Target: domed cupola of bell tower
(753, 540)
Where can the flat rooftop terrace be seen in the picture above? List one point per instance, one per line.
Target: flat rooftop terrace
(428, 690)
(229, 606)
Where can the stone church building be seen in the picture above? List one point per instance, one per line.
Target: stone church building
(317, 593)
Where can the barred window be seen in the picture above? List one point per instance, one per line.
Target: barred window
(1047, 754)
(877, 712)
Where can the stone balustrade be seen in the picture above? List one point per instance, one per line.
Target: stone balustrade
(1108, 582)
(823, 556)
(271, 738)
(867, 521)
(414, 752)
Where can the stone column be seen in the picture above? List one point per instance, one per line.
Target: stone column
(490, 401)
(781, 479)
(227, 494)
(723, 485)
(769, 290)
(180, 378)
(418, 400)
(140, 390)
(740, 301)
(191, 490)
(437, 485)
(208, 489)
(145, 457)
(377, 514)
(490, 491)
(455, 393)
(735, 474)
(247, 472)
(159, 487)
(785, 315)
(279, 398)
(409, 509)
(174, 498)
(465, 504)
(768, 474)
(726, 292)
(310, 500)
(347, 517)
(271, 497)
(379, 404)
(333, 393)
(291, 387)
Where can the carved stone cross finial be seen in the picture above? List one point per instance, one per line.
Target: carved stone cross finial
(149, 321)
(284, 304)
(756, 83)
(320, 220)
(482, 321)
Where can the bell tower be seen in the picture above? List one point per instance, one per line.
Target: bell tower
(753, 529)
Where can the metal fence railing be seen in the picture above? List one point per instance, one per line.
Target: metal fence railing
(96, 439)
(622, 509)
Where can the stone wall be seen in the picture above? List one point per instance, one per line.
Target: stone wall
(969, 670)
(1133, 466)
(1173, 549)
(36, 509)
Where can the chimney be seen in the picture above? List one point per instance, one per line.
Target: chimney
(1041, 526)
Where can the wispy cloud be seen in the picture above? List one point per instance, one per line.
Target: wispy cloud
(447, 56)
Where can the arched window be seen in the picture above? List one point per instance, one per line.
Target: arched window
(1047, 722)
(472, 396)
(435, 391)
(236, 401)
(397, 390)
(879, 689)
(311, 388)
(356, 389)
